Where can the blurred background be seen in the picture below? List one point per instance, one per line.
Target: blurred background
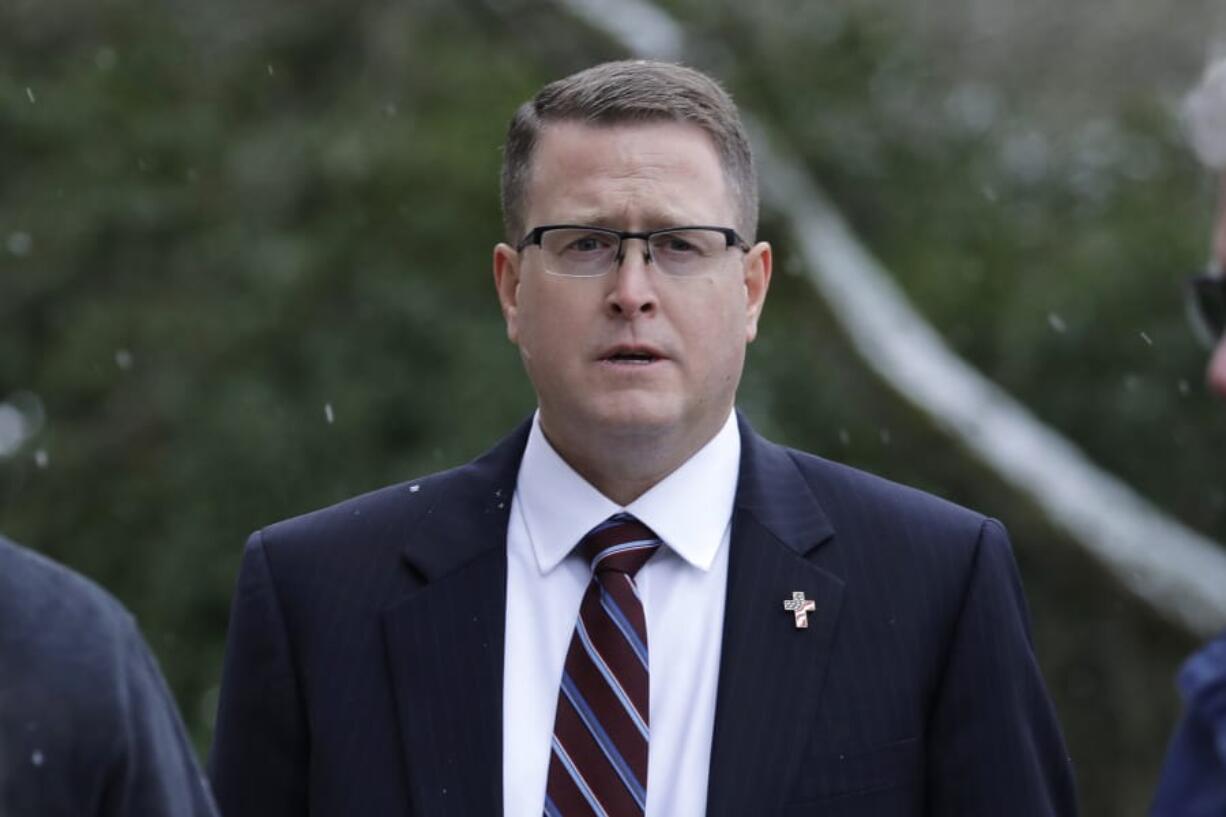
(245, 272)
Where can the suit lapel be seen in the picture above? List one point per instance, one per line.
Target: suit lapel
(445, 640)
(771, 673)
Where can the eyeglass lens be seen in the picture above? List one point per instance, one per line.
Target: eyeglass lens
(587, 252)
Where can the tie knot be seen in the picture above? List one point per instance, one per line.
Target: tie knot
(621, 543)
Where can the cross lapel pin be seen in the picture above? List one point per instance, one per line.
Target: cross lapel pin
(800, 607)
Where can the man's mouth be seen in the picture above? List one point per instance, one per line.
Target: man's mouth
(632, 355)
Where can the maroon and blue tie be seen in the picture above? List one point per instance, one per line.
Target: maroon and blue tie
(600, 735)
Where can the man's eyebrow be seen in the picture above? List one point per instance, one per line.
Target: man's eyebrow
(656, 220)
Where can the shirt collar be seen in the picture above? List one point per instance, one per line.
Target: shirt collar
(689, 509)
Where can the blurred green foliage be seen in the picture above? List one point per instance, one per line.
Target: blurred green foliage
(244, 271)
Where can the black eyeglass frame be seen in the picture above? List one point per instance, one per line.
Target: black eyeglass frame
(1205, 298)
(731, 236)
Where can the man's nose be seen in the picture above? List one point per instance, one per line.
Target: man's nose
(633, 290)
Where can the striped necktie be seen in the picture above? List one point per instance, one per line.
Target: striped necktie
(599, 761)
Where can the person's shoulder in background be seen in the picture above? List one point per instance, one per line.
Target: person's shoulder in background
(87, 724)
(1193, 782)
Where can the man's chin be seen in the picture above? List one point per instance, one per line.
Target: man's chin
(628, 417)
(635, 422)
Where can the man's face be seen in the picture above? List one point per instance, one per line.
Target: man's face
(634, 352)
(1217, 364)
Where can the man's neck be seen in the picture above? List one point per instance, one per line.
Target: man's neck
(624, 466)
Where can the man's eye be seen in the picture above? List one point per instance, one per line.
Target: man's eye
(588, 244)
(680, 245)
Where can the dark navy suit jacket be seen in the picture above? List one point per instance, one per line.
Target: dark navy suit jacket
(87, 725)
(363, 674)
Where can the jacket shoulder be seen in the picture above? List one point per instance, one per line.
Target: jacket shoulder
(377, 521)
(43, 596)
(849, 494)
(74, 650)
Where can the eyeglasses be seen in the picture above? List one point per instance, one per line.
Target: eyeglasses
(1206, 302)
(579, 251)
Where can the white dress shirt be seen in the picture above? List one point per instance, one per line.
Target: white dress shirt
(682, 588)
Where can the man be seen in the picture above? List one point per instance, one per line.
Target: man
(1206, 116)
(1193, 782)
(87, 726)
(634, 604)
(1210, 288)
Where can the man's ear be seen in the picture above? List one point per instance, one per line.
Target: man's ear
(506, 282)
(757, 282)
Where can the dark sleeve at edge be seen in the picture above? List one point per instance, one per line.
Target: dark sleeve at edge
(259, 757)
(995, 746)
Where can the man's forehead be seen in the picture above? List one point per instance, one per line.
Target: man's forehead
(639, 139)
(662, 170)
(653, 215)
